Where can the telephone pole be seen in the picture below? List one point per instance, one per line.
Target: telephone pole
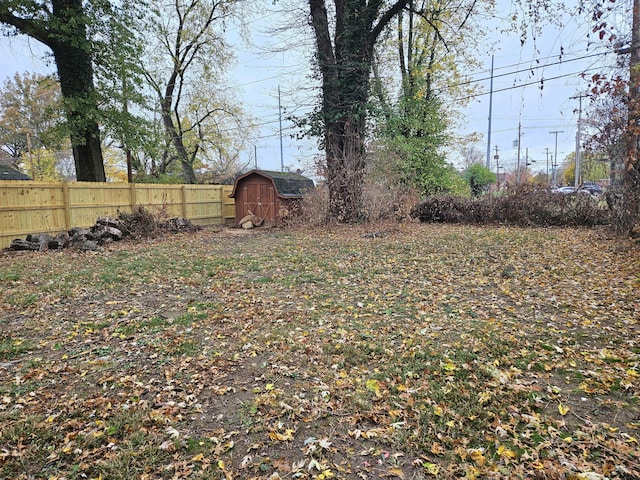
(490, 107)
(280, 119)
(634, 101)
(547, 153)
(554, 162)
(632, 176)
(576, 182)
(518, 166)
(497, 159)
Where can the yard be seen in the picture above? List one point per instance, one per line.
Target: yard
(416, 351)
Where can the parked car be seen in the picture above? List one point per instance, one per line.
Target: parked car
(565, 190)
(591, 188)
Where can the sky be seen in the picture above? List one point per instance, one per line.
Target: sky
(518, 99)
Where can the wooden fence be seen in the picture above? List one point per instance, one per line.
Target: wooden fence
(38, 207)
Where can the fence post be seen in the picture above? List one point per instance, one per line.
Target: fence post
(132, 196)
(66, 205)
(183, 192)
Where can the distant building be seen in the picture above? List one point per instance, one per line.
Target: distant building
(8, 173)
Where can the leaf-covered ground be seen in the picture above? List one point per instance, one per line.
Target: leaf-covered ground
(424, 352)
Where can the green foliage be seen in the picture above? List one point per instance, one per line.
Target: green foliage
(412, 138)
(593, 167)
(162, 178)
(32, 125)
(479, 178)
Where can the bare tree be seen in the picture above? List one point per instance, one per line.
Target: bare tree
(186, 61)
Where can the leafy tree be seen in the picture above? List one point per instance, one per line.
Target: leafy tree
(607, 120)
(29, 114)
(124, 103)
(479, 178)
(415, 128)
(63, 26)
(31, 120)
(593, 167)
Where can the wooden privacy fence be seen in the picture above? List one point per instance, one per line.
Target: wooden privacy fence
(39, 207)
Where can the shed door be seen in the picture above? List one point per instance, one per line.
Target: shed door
(259, 197)
(266, 203)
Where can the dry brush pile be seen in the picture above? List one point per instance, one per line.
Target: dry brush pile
(526, 205)
(439, 351)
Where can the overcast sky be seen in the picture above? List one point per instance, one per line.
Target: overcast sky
(519, 73)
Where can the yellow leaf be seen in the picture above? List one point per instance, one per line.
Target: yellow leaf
(450, 367)
(269, 387)
(282, 437)
(506, 452)
(198, 458)
(562, 409)
(373, 385)
(478, 457)
(396, 472)
(437, 410)
(431, 468)
(221, 464)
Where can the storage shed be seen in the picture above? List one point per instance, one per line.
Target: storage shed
(265, 193)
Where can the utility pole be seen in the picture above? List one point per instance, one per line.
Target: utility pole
(577, 175)
(497, 158)
(547, 153)
(518, 165)
(280, 119)
(632, 176)
(33, 170)
(633, 180)
(554, 163)
(490, 108)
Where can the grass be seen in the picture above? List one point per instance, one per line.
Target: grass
(11, 348)
(435, 349)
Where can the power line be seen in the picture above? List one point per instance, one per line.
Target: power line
(536, 67)
(542, 80)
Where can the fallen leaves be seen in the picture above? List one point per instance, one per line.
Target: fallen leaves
(296, 355)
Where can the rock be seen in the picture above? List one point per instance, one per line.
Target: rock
(60, 241)
(90, 245)
(79, 231)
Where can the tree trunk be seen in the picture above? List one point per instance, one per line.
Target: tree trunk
(72, 53)
(345, 64)
(176, 139)
(64, 30)
(632, 168)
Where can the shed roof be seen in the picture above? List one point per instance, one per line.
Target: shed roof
(8, 173)
(286, 184)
